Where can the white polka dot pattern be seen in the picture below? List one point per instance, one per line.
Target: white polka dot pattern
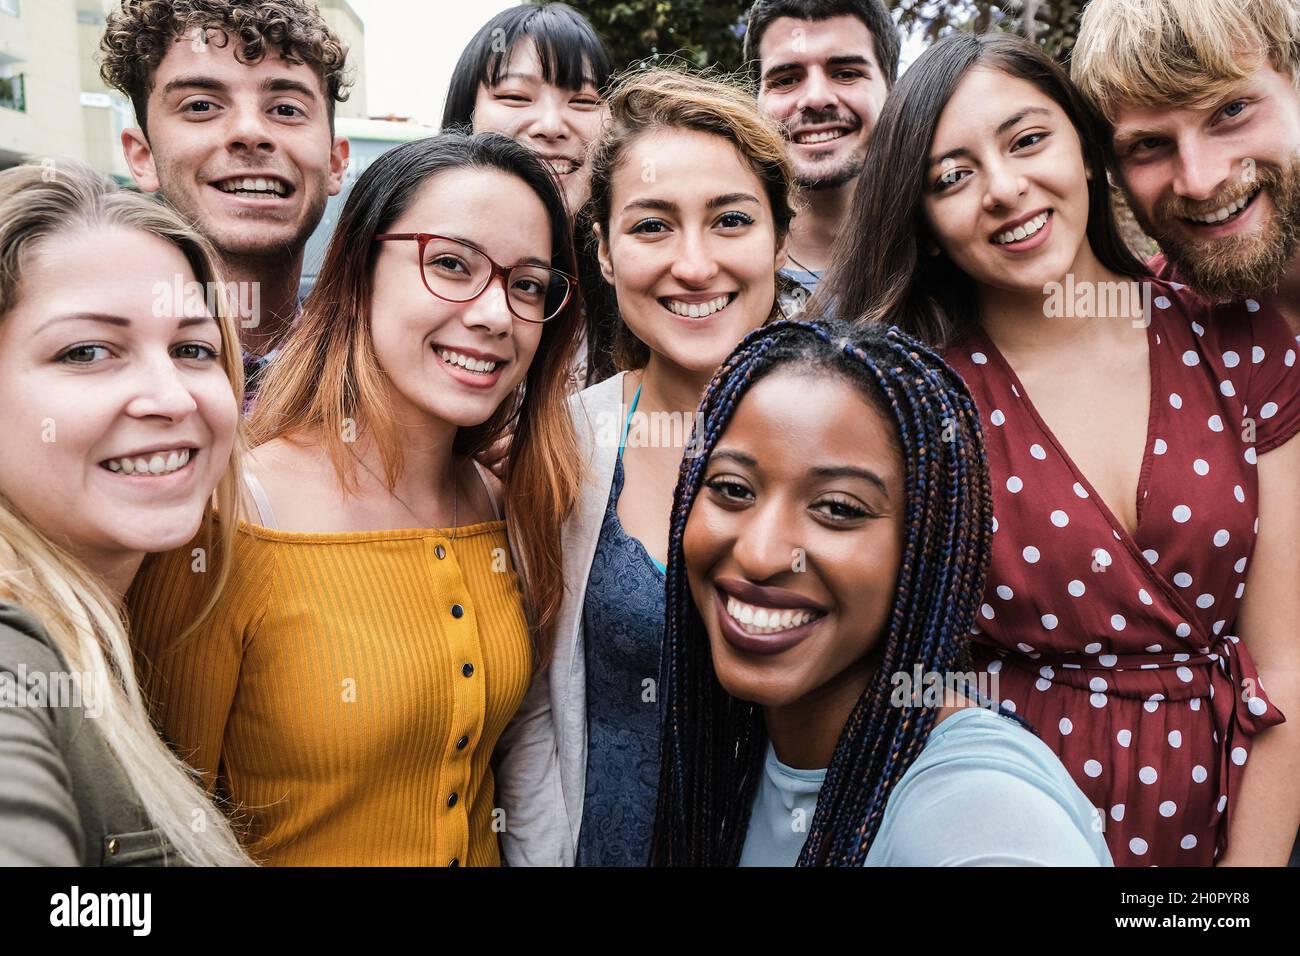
(1131, 641)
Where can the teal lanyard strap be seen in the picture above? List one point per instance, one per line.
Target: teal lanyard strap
(627, 424)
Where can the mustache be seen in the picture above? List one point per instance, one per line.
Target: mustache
(1263, 176)
(815, 118)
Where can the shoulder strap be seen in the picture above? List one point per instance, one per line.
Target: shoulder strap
(487, 486)
(262, 504)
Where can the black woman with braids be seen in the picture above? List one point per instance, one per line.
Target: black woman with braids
(829, 545)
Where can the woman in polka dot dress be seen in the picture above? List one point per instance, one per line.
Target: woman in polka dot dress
(1135, 434)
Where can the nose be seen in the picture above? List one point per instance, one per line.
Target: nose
(762, 549)
(248, 131)
(817, 94)
(1201, 173)
(159, 391)
(548, 119)
(490, 312)
(695, 263)
(1003, 186)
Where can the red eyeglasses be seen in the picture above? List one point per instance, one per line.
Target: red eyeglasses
(455, 271)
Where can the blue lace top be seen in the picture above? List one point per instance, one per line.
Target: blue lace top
(623, 622)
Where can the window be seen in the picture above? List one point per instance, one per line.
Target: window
(12, 92)
(9, 6)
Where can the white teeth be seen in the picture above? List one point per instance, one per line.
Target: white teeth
(465, 362)
(1023, 231)
(154, 465)
(252, 185)
(700, 310)
(823, 137)
(1223, 212)
(766, 620)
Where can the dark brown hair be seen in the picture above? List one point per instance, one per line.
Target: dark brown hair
(327, 374)
(878, 272)
(139, 34)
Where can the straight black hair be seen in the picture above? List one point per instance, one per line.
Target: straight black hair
(878, 271)
(714, 744)
(570, 52)
(873, 14)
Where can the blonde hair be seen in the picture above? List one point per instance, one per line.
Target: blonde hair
(83, 620)
(1166, 52)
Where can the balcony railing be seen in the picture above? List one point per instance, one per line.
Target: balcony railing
(12, 95)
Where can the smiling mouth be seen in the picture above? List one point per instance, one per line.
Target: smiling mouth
(1024, 230)
(698, 310)
(822, 136)
(153, 465)
(562, 165)
(1224, 213)
(767, 620)
(254, 187)
(478, 366)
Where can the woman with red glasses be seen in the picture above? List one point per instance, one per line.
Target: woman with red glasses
(375, 638)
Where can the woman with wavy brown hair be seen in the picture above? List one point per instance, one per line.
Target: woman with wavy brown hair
(691, 201)
(374, 642)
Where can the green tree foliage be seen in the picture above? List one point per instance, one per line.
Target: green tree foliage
(708, 32)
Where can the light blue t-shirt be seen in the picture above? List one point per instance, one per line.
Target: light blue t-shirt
(984, 791)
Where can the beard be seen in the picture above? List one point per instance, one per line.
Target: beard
(818, 178)
(1235, 266)
(835, 178)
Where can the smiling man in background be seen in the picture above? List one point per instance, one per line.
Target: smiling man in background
(1204, 100)
(824, 68)
(235, 105)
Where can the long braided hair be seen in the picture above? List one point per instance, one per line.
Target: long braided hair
(714, 744)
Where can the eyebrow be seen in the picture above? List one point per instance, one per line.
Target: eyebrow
(846, 59)
(118, 321)
(726, 199)
(527, 261)
(272, 85)
(828, 471)
(850, 471)
(1125, 136)
(282, 84)
(1005, 125)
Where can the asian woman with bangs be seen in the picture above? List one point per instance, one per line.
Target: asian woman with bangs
(537, 73)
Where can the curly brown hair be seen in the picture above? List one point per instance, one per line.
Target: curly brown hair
(138, 36)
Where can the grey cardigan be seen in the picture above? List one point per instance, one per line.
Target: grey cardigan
(541, 759)
(64, 798)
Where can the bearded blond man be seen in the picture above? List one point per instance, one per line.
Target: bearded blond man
(1203, 97)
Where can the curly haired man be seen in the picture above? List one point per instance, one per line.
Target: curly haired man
(235, 105)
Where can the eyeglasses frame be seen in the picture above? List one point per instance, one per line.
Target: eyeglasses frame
(424, 238)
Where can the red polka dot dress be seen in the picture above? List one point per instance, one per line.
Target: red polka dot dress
(1120, 649)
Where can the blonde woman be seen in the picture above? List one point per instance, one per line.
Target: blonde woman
(120, 418)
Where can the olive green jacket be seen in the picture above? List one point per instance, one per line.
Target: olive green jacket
(64, 798)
